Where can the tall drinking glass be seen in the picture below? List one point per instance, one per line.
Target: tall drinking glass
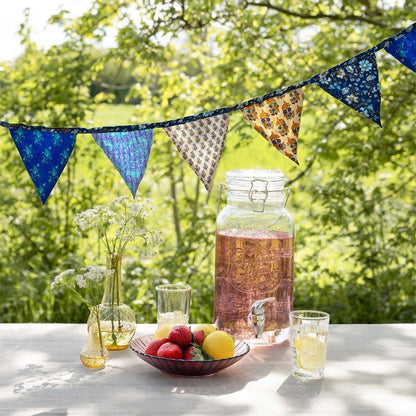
(308, 343)
(173, 304)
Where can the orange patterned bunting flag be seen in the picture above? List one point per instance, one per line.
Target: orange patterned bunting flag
(277, 119)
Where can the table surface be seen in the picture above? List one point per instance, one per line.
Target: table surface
(371, 370)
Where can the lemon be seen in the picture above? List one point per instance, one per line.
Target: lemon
(162, 332)
(219, 344)
(311, 352)
(207, 328)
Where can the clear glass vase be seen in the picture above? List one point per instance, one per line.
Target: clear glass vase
(118, 323)
(94, 354)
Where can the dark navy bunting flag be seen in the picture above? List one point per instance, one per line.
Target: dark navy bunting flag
(355, 83)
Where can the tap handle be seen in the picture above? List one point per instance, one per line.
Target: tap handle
(256, 316)
(256, 307)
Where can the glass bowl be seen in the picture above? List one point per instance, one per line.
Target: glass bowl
(186, 367)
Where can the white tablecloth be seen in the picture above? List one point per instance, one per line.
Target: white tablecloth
(371, 370)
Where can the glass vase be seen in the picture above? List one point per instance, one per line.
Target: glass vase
(118, 323)
(94, 354)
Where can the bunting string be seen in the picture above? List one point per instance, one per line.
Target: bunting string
(199, 138)
(205, 114)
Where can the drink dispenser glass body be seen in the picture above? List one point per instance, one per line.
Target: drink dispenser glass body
(254, 257)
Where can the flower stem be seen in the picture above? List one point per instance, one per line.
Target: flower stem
(97, 315)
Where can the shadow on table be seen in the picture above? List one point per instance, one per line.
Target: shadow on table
(53, 412)
(296, 388)
(251, 368)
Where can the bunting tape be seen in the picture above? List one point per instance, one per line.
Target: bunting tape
(200, 138)
(386, 43)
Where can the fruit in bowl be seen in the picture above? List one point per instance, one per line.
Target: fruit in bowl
(187, 352)
(200, 344)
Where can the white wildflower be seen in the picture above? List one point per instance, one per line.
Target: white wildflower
(86, 284)
(134, 208)
(81, 281)
(122, 200)
(59, 279)
(95, 274)
(119, 227)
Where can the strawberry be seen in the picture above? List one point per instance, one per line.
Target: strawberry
(170, 350)
(198, 337)
(193, 353)
(180, 335)
(152, 348)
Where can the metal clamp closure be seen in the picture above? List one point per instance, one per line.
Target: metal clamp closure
(258, 196)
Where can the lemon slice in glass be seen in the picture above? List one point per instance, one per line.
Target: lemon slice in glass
(311, 352)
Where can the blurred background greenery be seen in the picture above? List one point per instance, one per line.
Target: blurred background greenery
(353, 193)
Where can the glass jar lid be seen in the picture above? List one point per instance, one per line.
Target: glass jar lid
(255, 185)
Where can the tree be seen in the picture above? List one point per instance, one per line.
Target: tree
(354, 188)
(42, 87)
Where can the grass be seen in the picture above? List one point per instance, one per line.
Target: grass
(114, 115)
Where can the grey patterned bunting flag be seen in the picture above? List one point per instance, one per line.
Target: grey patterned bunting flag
(201, 143)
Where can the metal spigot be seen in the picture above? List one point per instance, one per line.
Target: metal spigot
(256, 316)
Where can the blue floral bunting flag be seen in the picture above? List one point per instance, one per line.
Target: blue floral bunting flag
(355, 83)
(404, 50)
(201, 143)
(129, 152)
(45, 155)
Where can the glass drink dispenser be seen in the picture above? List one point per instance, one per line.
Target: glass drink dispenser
(254, 258)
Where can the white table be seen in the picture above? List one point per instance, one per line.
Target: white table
(371, 370)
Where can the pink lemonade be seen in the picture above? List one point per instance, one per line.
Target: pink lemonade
(252, 265)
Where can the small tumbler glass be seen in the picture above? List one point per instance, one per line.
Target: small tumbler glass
(308, 343)
(173, 304)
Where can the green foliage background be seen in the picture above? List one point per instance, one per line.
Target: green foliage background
(354, 191)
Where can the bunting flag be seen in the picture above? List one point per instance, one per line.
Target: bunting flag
(45, 155)
(404, 50)
(129, 152)
(355, 83)
(277, 119)
(201, 143)
(200, 138)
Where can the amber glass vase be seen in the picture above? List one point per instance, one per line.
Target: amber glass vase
(118, 323)
(94, 354)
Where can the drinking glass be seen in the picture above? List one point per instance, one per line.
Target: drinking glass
(308, 343)
(173, 304)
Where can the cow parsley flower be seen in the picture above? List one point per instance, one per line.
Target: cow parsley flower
(86, 284)
(124, 221)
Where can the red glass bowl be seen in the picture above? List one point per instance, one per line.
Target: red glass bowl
(185, 367)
